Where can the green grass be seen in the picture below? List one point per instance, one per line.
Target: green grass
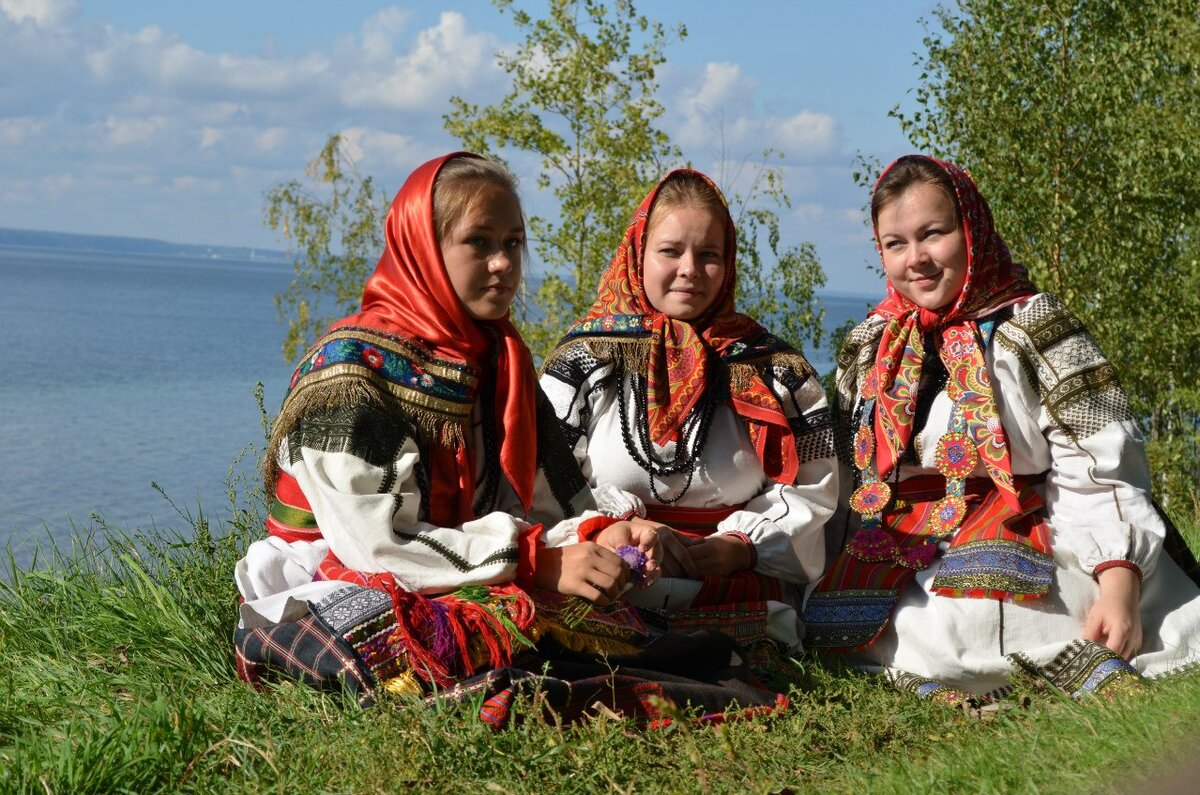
(118, 677)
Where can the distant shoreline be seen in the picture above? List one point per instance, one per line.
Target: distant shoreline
(111, 244)
(149, 247)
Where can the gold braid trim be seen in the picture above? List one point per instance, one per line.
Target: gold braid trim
(743, 373)
(625, 354)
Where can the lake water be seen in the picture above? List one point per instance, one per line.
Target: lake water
(120, 371)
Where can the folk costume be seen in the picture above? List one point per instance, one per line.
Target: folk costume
(708, 426)
(416, 467)
(998, 470)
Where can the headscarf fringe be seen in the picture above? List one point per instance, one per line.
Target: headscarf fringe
(626, 356)
(742, 375)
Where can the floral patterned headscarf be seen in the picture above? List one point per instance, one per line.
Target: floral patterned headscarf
(678, 365)
(992, 282)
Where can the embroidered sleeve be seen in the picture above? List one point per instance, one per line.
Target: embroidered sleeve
(570, 383)
(360, 469)
(1098, 484)
(562, 499)
(786, 523)
(567, 380)
(803, 400)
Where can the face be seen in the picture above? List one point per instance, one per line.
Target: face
(924, 249)
(483, 251)
(684, 263)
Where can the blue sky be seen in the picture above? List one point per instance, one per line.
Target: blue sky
(171, 120)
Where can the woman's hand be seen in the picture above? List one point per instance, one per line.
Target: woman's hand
(641, 534)
(720, 555)
(585, 569)
(675, 557)
(1115, 619)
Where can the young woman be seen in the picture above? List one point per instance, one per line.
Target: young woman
(712, 429)
(1000, 518)
(423, 490)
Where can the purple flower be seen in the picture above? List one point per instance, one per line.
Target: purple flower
(635, 559)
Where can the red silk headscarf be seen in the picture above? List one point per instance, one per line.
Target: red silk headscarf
(678, 367)
(410, 294)
(992, 282)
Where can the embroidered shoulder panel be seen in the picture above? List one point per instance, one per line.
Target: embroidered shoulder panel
(398, 366)
(572, 363)
(788, 374)
(855, 361)
(1078, 386)
(765, 344)
(773, 359)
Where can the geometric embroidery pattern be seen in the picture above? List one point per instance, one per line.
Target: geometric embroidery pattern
(1062, 361)
(1083, 667)
(846, 619)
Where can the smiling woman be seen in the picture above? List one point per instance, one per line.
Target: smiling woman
(923, 246)
(999, 520)
(715, 432)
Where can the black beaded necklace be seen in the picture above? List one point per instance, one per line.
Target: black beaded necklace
(693, 436)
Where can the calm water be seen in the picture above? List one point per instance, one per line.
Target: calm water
(120, 371)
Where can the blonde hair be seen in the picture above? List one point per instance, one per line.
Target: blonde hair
(457, 187)
(686, 189)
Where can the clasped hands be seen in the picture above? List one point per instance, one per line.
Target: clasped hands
(592, 569)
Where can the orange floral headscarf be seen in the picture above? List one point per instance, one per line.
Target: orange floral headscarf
(679, 364)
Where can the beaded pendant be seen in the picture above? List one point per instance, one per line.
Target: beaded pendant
(871, 498)
(948, 514)
(873, 495)
(956, 454)
(956, 457)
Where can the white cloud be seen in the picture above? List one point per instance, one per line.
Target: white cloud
(187, 183)
(723, 88)
(370, 148)
(447, 59)
(716, 113)
(806, 133)
(380, 31)
(210, 136)
(151, 56)
(271, 138)
(43, 13)
(123, 132)
(53, 185)
(126, 121)
(17, 131)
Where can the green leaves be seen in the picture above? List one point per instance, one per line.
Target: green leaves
(335, 233)
(583, 101)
